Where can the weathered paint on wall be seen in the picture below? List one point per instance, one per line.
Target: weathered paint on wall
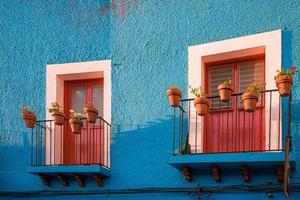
(147, 42)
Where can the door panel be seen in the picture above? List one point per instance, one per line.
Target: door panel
(89, 144)
(253, 124)
(228, 128)
(219, 130)
(87, 147)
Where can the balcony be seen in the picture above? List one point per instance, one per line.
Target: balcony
(228, 136)
(57, 152)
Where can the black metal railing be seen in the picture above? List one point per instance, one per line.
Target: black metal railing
(57, 145)
(228, 128)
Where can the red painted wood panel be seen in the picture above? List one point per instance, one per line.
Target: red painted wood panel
(87, 147)
(230, 129)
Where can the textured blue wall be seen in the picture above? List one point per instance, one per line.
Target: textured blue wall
(147, 42)
(33, 34)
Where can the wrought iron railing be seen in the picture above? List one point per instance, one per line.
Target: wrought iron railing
(57, 145)
(227, 128)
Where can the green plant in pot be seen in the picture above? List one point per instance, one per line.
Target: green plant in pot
(185, 147)
(91, 112)
(28, 116)
(284, 80)
(225, 90)
(75, 122)
(201, 102)
(250, 96)
(174, 94)
(56, 111)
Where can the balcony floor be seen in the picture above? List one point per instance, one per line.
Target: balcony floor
(252, 159)
(69, 170)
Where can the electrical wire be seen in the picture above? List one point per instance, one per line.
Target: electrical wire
(191, 191)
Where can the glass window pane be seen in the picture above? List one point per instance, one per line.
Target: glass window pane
(98, 98)
(78, 98)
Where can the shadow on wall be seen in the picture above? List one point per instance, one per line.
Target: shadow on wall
(14, 149)
(287, 48)
(295, 126)
(136, 149)
(15, 158)
(286, 63)
(143, 150)
(161, 128)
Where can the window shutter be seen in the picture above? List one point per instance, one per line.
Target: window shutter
(249, 71)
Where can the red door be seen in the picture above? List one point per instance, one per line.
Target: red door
(87, 147)
(228, 128)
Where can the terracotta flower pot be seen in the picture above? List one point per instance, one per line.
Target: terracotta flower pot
(201, 104)
(29, 120)
(284, 85)
(59, 118)
(76, 126)
(225, 92)
(91, 113)
(249, 100)
(174, 96)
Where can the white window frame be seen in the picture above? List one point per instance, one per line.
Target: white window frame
(268, 43)
(57, 74)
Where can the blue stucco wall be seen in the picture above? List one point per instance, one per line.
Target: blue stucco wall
(147, 42)
(33, 34)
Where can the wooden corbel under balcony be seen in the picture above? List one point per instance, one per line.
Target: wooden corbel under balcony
(99, 180)
(63, 179)
(45, 179)
(280, 173)
(246, 173)
(215, 170)
(79, 179)
(187, 173)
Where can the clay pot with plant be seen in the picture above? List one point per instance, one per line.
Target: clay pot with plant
(225, 90)
(250, 96)
(284, 80)
(75, 122)
(201, 102)
(28, 116)
(174, 94)
(57, 113)
(91, 112)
